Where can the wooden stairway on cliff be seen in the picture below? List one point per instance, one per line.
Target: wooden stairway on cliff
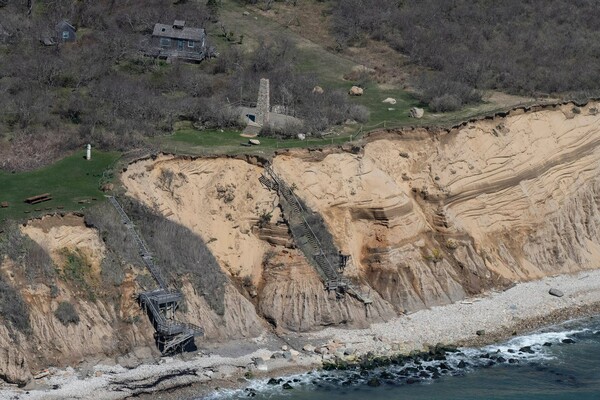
(160, 304)
(306, 238)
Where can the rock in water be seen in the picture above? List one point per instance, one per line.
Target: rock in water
(556, 292)
(374, 382)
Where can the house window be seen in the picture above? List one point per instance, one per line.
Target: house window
(65, 35)
(191, 44)
(165, 42)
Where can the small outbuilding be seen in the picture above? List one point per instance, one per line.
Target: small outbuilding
(66, 32)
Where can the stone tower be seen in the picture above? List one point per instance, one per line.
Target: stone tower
(262, 104)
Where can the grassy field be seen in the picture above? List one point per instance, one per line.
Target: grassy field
(191, 141)
(70, 181)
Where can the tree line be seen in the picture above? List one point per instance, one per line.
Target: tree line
(519, 46)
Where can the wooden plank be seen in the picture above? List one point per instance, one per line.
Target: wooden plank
(39, 198)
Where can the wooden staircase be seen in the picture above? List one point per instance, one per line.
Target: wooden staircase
(160, 304)
(308, 241)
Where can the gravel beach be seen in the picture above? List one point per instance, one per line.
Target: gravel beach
(472, 322)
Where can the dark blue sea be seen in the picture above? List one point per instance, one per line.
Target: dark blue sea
(562, 362)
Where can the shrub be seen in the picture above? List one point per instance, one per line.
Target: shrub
(121, 249)
(77, 271)
(13, 308)
(31, 259)
(66, 313)
(444, 103)
(264, 218)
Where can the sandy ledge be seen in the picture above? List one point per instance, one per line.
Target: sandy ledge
(520, 309)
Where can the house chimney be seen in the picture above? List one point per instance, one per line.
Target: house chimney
(178, 24)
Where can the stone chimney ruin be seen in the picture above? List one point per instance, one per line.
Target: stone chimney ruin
(263, 103)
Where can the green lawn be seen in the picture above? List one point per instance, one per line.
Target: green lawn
(69, 181)
(191, 141)
(391, 114)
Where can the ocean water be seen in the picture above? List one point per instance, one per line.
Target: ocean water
(561, 362)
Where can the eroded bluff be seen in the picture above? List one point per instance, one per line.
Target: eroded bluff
(428, 218)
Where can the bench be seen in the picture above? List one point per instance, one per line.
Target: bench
(38, 199)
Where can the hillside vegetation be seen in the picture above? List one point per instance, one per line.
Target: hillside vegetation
(521, 47)
(102, 89)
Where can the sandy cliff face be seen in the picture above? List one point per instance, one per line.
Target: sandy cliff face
(222, 201)
(430, 218)
(219, 199)
(101, 330)
(427, 217)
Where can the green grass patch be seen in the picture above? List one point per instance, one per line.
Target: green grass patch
(69, 181)
(391, 114)
(191, 141)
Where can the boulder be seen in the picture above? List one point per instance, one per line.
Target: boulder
(301, 136)
(355, 91)
(480, 332)
(318, 90)
(254, 141)
(309, 348)
(260, 364)
(416, 112)
(389, 100)
(556, 292)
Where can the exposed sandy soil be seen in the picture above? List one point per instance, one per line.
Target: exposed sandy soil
(57, 233)
(219, 199)
(427, 217)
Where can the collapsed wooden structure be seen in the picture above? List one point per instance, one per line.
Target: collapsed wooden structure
(309, 243)
(161, 303)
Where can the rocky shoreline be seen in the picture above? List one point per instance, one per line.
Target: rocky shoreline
(422, 335)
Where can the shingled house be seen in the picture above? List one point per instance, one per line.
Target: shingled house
(64, 33)
(179, 41)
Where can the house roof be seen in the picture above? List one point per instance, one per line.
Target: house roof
(162, 30)
(64, 25)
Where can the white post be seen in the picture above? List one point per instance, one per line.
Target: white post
(88, 155)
